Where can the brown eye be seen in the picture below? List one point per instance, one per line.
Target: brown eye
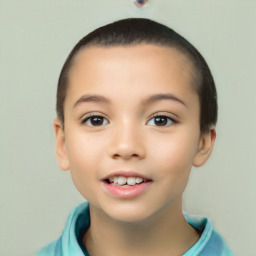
(161, 121)
(95, 121)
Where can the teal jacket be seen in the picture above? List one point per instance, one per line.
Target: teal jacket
(70, 242)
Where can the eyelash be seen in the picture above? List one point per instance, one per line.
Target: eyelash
(90, 117)
(166, 117)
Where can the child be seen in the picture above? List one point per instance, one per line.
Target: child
(137, 108)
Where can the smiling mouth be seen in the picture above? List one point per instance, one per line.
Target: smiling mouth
(125, 181)
(126, 185)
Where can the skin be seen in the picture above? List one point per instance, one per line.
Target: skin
(129, 139)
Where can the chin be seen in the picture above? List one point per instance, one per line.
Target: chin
(129, 213)
(135, 218)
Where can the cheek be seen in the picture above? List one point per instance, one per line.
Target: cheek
(84, 157)
(174, 162)
(176, 153)
(82, 150)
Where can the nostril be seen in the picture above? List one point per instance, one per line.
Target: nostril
(125, 156)
(126, 146)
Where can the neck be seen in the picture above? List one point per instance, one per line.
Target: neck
(165, 233)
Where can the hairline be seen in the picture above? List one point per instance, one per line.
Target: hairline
(194, 72)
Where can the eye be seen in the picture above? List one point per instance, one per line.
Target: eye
(95, 120)
(161, 120)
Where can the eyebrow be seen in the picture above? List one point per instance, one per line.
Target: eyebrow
(92, 98)
(158, 97)
(150, 100)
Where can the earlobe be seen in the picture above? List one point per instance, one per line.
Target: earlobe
(205, 147)
(60, 145)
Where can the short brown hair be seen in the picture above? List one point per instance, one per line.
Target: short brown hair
(136, 31)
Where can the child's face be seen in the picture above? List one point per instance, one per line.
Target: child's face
(126, 88)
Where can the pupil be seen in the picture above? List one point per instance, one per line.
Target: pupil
(160, 121)
(97, 121)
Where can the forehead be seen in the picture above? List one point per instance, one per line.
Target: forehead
(140, 67)
(134, 53)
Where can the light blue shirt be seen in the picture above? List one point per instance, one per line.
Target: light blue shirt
(209, 244)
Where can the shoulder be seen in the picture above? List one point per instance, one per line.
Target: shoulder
(68, 244)
(50, 249)
(211, 242)
(216, 246)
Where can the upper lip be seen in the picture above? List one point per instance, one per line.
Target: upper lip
(126, 174)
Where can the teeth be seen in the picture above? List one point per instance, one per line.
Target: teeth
(111, 179)
(120, 180)
(131, 181)
(139, 180)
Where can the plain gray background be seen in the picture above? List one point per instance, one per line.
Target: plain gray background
(35, 39)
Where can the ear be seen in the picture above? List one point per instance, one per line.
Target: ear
(60, 145)
(205, 148)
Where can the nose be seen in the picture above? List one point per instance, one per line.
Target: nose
(126, 143)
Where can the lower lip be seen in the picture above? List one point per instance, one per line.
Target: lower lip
(126, 192)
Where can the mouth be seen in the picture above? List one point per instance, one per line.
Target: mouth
(125, 181)
(126, 185)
